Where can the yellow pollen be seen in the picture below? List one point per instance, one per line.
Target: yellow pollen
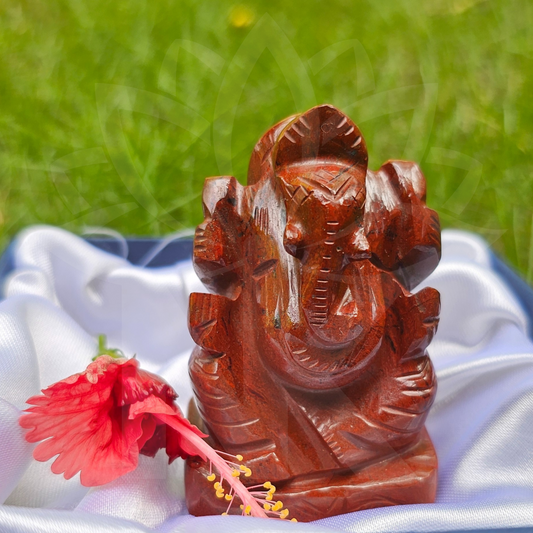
(235, 473)
(272, 490)
(228, 497)
(284, 513)
(220, 494)
(243, 468)
(217, 485)
(277, 506)
(268, 497)
(248, 509)
(267, 507)
(248, 473)
(239, 457)
(211, 477)
(226, 514)
(267, 485)
(294, 520)
(241, 506)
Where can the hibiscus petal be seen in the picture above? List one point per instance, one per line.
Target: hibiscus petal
(81, 423)
(118, 458)
(149, 425)
(157, 442)
(176, 438)
(102, 452)
(134, 385)
(152, 405)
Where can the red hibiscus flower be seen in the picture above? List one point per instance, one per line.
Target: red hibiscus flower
(99, 421)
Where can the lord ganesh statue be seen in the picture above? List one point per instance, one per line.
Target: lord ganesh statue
(311, 355)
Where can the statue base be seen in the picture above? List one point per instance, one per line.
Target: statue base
(407, 478)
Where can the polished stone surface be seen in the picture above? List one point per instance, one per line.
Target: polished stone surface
(311, 359)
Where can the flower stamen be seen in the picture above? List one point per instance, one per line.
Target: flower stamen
(252, 498)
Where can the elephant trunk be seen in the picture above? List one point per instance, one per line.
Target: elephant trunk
(320, 280)
(330, 287)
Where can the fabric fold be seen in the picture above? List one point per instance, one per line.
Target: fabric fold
(64, 292)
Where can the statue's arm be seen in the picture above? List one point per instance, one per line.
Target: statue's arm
(410, 386)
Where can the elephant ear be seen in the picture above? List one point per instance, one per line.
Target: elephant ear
(403, 233)
(261, 165)
(325, 135)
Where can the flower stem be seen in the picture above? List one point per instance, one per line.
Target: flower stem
(104, 350)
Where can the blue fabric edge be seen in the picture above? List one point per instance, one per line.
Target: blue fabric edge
(522, 291)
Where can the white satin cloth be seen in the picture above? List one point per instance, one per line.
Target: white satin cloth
(64, 292)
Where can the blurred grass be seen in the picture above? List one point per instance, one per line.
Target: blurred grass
(105, 122)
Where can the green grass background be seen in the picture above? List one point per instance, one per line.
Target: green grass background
(113, 113)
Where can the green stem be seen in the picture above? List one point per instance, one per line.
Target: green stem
(104, 350)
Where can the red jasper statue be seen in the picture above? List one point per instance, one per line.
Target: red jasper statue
(311, 359)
